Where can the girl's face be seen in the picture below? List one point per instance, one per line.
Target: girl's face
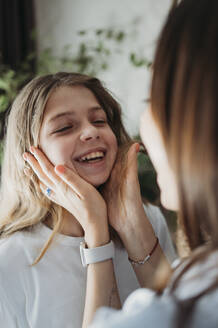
(75, 132)
(153, 142)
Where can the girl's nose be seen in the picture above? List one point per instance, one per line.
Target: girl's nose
(88, 133)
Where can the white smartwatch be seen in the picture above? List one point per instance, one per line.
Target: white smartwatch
(97, 254)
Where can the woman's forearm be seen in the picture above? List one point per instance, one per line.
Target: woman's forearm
(139, 242)
(101, 289)
(101, 286)
(146, 272)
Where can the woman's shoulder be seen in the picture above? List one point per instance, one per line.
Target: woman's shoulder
(198, 278)
(198, 282)
(143, 308)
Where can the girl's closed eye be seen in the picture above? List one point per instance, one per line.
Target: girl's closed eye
(100, 121)
(65, 128)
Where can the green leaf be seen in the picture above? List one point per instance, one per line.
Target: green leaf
(82, 48)
(99, 32)
(82, 32)
(4, 102)
(10, 74)
(109, 34)
(120, 36)
(4, 85)
(104, 66)
(138, 62)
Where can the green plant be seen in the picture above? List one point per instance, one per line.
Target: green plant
(139, 60)
(90, 57)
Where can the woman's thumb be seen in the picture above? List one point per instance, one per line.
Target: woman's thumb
(132, 162)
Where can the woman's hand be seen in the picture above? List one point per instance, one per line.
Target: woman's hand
(122, 191)
(127, 216)
(74, 194)
(125, 208)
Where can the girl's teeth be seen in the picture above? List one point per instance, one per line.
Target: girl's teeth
(96, 155)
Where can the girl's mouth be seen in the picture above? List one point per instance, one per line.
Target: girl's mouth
(91, 158)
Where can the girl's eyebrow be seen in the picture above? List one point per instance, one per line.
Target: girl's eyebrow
(72, 113)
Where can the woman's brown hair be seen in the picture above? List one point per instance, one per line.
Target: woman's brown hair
(184, 103)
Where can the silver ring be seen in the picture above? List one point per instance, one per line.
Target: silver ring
(48, 192)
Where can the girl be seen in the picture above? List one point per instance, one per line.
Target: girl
(64, 135)
(180, 133)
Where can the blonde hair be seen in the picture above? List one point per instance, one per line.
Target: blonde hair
(22, 204)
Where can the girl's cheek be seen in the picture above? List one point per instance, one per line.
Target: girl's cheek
(57, 152)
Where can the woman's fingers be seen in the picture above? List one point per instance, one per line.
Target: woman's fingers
(58, 177)
(37, 169)
(73, 180)
(48, 192)
(44, 167)
(116, 171)
(64, 174)
(132, 163)
(28, 172)
(131, 166)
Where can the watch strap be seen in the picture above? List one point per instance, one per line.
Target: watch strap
(97, 254)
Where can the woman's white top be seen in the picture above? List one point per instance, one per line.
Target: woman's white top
(143, 308)
(52, 292)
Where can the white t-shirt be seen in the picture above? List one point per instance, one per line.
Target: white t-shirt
(52, 293)
(143, 308)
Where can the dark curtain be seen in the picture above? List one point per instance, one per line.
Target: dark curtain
(17, 24)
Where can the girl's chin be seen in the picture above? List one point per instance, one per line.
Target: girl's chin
(96, 181)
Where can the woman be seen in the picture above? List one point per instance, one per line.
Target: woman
(179, 131)
(64, 135)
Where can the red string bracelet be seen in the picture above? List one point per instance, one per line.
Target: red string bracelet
(147, 257)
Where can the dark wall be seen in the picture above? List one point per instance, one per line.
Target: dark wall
(17, 24)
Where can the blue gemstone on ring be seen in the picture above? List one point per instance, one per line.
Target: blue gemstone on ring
(48, 191)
